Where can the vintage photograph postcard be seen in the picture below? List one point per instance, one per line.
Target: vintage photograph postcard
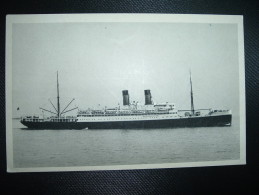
(124, 91)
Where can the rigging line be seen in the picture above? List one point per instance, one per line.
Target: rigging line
(53, 105)
(67, 106)
(48, 110)
(69, 110)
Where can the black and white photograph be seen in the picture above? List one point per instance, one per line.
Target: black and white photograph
(124, 91)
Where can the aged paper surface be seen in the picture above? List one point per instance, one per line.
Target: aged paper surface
(99, 55)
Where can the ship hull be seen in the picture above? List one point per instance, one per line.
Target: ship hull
(209, 121)
(53, 125)
(205, 121)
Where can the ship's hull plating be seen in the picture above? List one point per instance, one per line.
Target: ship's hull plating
(205, 121)
(53, 125)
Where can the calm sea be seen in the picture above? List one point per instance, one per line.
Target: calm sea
(62, 148)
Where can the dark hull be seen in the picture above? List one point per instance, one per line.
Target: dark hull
(208, 121)
(53, 125)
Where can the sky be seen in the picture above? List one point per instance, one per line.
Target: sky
(96, 61)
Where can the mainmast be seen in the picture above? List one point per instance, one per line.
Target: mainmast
(58, 112)
(58, 105)
(192, 105)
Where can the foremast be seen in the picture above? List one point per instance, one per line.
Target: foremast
(59, 113)
(192, 105)
(58, 104)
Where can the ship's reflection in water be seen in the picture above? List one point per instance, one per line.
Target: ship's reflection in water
(52, 148)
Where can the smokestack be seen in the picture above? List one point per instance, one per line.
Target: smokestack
(148, 100)
(125, 96)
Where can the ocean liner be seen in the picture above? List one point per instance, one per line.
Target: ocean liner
(131, 115)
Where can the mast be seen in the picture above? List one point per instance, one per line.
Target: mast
(58, 112)
(58, 105)
(192, 105)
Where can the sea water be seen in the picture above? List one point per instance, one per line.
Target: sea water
(63, 148)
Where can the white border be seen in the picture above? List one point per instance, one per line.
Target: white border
(170, 18)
